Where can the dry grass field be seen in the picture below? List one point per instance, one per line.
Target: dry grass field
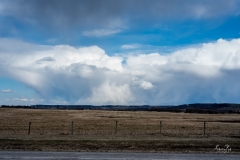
(140, 127)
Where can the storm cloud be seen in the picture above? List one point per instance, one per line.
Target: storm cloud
(209, 72)
(62, 15)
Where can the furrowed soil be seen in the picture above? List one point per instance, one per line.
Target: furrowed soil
(98, 130)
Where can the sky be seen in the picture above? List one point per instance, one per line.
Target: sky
(119, 52)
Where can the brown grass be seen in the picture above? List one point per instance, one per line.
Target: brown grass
(95, 125)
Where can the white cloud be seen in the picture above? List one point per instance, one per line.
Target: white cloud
(20, 99)
(109, 94)
(146, 85)
(101, 32)
(59, 102)
(87, 75)
(130, 46)
(7, 91)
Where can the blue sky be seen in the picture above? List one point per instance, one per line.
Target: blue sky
(119, 52)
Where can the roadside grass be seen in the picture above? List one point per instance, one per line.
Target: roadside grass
(173, 145)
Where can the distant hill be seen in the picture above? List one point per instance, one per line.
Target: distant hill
(209, 108)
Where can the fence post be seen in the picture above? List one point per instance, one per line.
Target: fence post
(204, 127)
(160, 127)
(29, 128)
(116, 128)
(72, 128)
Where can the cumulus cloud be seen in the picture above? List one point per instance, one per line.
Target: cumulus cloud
(7, 91)
(87, 75)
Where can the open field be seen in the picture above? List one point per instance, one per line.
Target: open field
(98, 130)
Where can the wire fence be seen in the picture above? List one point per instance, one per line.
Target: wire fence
(111, 129)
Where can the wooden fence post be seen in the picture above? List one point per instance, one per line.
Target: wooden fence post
(29, 128)
(72, 128)
(160, 127)
(116, 128)
(204, 128)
